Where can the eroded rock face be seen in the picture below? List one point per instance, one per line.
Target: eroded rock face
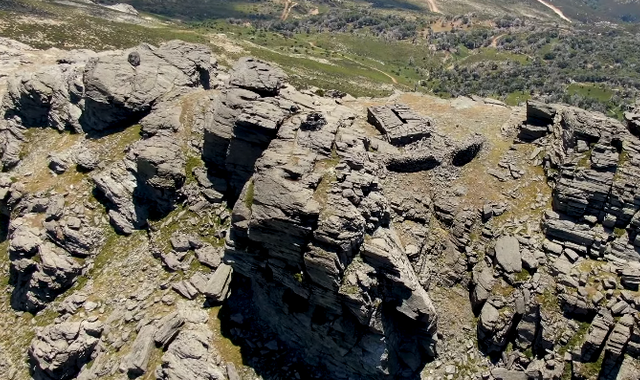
(246, 117)
(99, 93)
(190, 357)
(342, 252)
(46, 255)
(423, 146)
(597, 162)
(60, 351)
(299, 231)
(119, 93)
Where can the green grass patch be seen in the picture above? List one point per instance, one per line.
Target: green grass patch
(548, 300)
(591, 370)
(521, 276)
(517, 97)
(618, 232)
(598, 92)
(492, 55)
(192, 163)
(576, 339)
(585, 160)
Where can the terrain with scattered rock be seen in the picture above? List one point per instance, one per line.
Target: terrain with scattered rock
(165, 217)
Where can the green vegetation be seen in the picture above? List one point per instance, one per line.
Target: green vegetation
(503, 289)
(248, 196)
(618, 232)
(589, 90)
(548, 300)
(529, 353)
(523, 275)
(192, 163)
(592, 370)
(576, 339)
(65, 23)
(623, 158)
(585, 160)
(517, 97)
(567, 373)
(371, 49)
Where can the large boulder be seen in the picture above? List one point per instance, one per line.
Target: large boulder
(59, 351)
(245, 119)
(118, 93)
(508, 254)
(190, 356)
(160, 172)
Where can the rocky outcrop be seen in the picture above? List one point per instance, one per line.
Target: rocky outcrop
(508, 254)
(596, 162)
(494, 325)
(143, 185)
(246, 117)
(59, 351)
(99, 93)
(47, 255)
(164, 72)
(300, 231)
(190, 356)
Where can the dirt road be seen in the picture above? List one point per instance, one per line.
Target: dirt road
(555, 10)
(494, 41)
(288, 6)
(433, 7)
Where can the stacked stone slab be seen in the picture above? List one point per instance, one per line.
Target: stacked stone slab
(246, 117)
(597, 160)
(399, 124)
(312, 230)
(424, 148)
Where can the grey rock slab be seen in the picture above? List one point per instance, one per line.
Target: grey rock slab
(218, 285)
(508, 254)
(59, 351)
(168, 328)
(209, 255)
(136, 362)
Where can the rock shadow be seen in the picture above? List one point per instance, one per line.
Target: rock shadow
(260, 348)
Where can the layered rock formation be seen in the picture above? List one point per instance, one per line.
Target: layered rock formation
(347, 253)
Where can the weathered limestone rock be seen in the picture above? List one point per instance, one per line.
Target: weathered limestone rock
(159, 171)
(95, 93)
(296, 229)
(169, 326)
(190, 356)
(37, 283)
(494, 326)
(597, 335)
(137, 361)
(217, 288)
(59, 351)
(508, 254)
(112, 100)
(246, 118)
(539, 113)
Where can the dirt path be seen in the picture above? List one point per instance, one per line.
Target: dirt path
(433, 7)
(393, 79)
(555, 10)
(288, 6)
(494, 41)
